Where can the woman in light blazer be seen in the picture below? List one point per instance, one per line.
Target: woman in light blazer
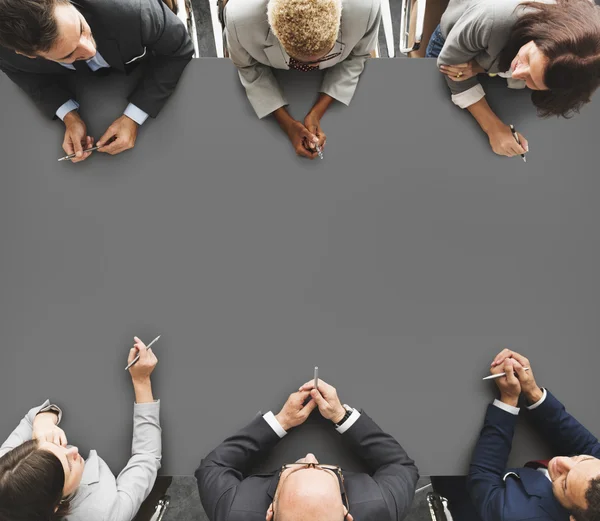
(44, 479)
(335, 35)
(551, 47)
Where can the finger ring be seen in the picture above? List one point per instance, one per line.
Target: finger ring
(459, 74)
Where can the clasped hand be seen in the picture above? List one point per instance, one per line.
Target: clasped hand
(297, 409)
(517, 379)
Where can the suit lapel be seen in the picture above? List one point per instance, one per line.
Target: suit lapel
(277, 56)
(273, 485)
(89, 479)
(107, 46)
(536, 484)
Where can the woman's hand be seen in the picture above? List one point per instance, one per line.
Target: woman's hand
(504, 143)
(141, 371)
(462, 71)
(45, 429)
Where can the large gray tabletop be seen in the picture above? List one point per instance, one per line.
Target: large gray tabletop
(400, 264)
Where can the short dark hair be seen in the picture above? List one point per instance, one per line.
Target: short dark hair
(592, 496)
(28, 26)
(568, 34)
(31, 485)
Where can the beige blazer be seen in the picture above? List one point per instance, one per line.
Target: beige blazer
(254, 50)
(101, 496)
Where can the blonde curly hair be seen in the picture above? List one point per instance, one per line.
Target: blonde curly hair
(305, 27)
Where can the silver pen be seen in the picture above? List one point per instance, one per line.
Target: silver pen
(494, 376)
(319, 151)
(138, 356)
(161, 508)
(71, 156)
(316, 377)
(516, 136)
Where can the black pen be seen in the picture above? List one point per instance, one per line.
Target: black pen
(516, 136)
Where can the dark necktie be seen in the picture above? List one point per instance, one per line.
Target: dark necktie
(538, 464)
(82, 67)
(299, 66)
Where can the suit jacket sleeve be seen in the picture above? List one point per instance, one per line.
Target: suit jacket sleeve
(389, 465)
(48, 91)
(171, 48)
(262, 88)
(225, 467)
(485, 482)
(136, 480)
(467, 38)
(340, 81)
(566, 435)
(24, 430)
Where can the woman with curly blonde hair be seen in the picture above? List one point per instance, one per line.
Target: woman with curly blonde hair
(305, 35)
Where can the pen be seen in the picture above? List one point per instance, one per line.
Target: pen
(319, 152)
(138, 356)
(516, 136)
(71, 156)
(494, 376)
(316, 377)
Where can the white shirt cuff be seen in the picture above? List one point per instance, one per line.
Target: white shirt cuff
(275, 425)
(135, 113)
(349, 422)
(469, 97)
(65, 108)
(539, 402)
(506, 407)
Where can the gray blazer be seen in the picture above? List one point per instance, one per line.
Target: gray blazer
(101, 497)
(254, 49)
(478, 30)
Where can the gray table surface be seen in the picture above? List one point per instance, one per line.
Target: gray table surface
(400, 264)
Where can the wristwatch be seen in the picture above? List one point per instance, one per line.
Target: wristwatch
(349, 411)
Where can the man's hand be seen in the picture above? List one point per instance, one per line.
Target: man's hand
(313, 125)
(124, 131)
(294, 412)
(529, 387)
(327, 400)
(302, 138)
(45, 429)
(462, 71)
(503, 142)
(76, 139)
(509, 385)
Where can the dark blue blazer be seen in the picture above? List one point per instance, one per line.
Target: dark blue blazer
(517, 494)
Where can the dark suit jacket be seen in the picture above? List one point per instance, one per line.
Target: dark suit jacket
(501, 494)
(125, 31)
(229, 494)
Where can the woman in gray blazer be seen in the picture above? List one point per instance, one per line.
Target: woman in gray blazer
(44, 479)
(552, 48)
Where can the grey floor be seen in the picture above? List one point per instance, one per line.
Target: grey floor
(185, 503)
(206, 40)
(184, 500)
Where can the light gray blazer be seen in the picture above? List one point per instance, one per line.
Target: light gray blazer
(254, 49)
(101, 497)
(478, 30)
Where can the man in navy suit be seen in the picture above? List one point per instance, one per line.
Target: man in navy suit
(565, 488)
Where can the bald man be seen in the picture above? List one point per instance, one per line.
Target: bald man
(307, 489)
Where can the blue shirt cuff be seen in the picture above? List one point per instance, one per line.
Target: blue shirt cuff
(135, 113)
(65, 108)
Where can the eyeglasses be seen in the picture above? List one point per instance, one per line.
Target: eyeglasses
(328, 468)
(305, 66)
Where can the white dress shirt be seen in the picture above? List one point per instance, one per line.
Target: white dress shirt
(98, 62)
(281, 432)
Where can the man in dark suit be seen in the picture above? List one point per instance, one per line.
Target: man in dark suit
(306, 489)
(565, 487)
(43, 41)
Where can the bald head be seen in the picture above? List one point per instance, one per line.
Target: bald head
(307, 494)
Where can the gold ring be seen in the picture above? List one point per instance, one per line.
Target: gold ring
(459, 74)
